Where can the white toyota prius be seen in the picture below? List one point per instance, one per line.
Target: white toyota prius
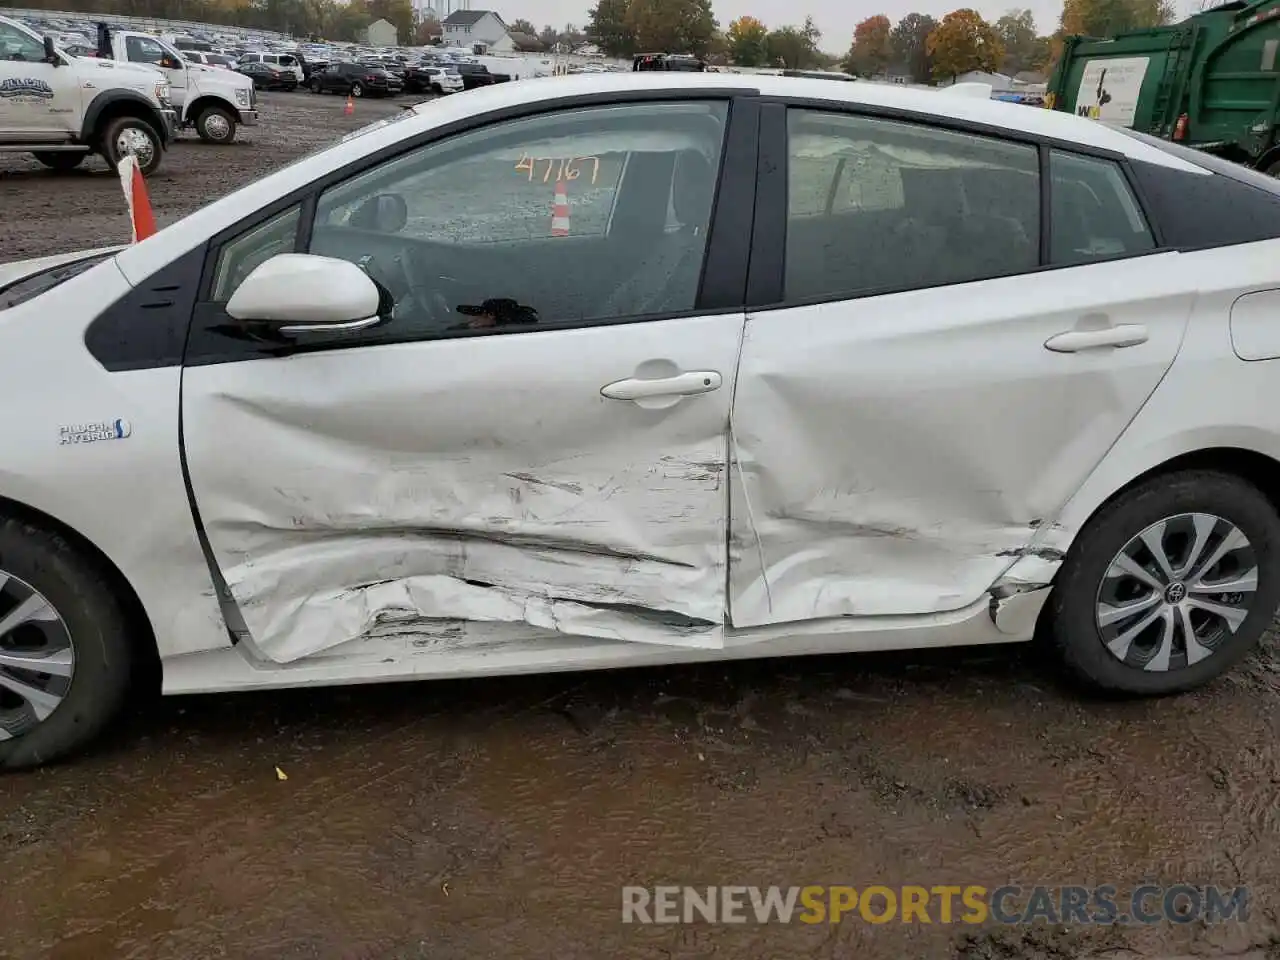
(601, 371)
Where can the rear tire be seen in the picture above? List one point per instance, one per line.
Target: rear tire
(132, 128)
(60, 159)
(315, 87)
(81, 614)
(1111, 568)
(357, 89)
(216, 125)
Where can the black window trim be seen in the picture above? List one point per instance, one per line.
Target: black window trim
(768, 264)
(726, 258)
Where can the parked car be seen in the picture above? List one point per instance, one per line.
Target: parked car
(284, 61)
(209, 59)
(426, 78)
(356, 79)
(268, 76)
(477, 75)
(419, 445)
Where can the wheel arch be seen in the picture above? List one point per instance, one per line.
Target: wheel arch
(111, 104)
(204, 101)
(141, 634)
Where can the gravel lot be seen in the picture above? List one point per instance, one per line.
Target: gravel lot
(501, 818)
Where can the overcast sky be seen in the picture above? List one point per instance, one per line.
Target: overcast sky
(836, 18)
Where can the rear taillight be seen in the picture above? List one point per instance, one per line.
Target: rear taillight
(1180, 128)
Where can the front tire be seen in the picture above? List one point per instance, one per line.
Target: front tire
(1168, 586)
(315, 87)
(124, 132)
(60, 159)
(357, 89)
(216, 125)
(65, 654)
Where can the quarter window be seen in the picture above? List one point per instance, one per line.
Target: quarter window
(1094, 213)
(879, 205)
(246, 252)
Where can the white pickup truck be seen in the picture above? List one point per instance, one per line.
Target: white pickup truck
(62, 108)
(212, 101)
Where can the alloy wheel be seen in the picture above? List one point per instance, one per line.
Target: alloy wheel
(37, 658)
(1176, 591)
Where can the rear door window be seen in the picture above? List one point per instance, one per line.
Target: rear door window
(879, 205)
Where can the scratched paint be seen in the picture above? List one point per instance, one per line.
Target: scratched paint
(480, 480)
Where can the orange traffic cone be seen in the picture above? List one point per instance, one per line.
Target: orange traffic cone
(350, 108)
(141, 220)
(560, 212)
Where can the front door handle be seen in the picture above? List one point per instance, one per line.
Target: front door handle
(1073, 341)
(681, 385)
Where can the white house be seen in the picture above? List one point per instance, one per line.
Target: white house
(467, 28)
(380, 33)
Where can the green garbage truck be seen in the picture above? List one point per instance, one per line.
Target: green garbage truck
(1210, 82)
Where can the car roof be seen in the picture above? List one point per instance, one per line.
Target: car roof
(142, 259)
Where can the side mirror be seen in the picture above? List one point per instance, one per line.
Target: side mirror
(169, 63)
(50, 54)
(300, 293)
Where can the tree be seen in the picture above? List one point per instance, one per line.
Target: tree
(794, 47)
(746, 38)
(1017, 33)
(609, 27)
(427, 31)
(909, 40)
(1106, 18)
(964, 42)
(871, 50)
(672, 26)
(523, 26)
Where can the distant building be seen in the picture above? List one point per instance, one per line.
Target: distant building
(467, 28)
(380, 33)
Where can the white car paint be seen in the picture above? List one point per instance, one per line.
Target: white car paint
(717, 528)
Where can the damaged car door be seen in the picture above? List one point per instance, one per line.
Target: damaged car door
(531, 435)
(938, 375)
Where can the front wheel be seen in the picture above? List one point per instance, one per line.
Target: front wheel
(1170, 585)
(125, 135)
(65, 653)
(60, 159)
(357, 89)
(216, 125)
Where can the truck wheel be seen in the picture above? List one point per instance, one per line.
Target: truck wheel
(216, 125)
(357, 89)
(65, 653)
(125, 134)
(60, 159)
(1273, 169)
(1169, 585)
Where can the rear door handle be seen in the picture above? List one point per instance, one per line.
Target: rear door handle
(681, 385)
(1073, 341)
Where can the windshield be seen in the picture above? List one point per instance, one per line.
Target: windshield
(1205, 161)
(30, 287)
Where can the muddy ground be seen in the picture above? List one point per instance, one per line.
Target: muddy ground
(501, 818)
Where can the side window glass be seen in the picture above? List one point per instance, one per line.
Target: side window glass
(238, 258)
(143, 50)
(16, 45)
(1093, 213)
(879, 205)
(590, 214)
